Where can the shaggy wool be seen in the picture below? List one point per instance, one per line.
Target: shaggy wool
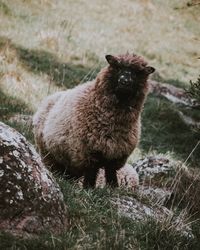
(96, 124)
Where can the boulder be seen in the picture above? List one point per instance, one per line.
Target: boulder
(31, 200)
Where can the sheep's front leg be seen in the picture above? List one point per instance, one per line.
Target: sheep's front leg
(90, 177)
(111, 177)
(111, 167)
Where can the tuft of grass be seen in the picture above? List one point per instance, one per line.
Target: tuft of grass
(11, 106)
(186, 189)
(194, 90)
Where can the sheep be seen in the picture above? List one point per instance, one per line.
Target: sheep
(95, 124)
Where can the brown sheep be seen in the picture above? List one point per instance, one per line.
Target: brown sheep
(96, 124)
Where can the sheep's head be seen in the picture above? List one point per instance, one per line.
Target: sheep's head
(127, 74)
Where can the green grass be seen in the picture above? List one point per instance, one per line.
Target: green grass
(163, 131)
(95, 224)
(11, 106)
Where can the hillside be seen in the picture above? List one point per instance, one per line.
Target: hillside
(48, 45)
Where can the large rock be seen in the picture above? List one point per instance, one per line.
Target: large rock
(30, 199)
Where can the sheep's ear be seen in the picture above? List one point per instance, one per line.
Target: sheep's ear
(112, 60)
(149, 70)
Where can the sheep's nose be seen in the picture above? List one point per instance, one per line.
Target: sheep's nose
(123, 80)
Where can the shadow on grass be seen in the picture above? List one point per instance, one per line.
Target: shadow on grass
(10, 105)
(164, 131)
(40, 61)
(63, 74)
(11, 111)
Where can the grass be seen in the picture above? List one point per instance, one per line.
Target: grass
(4, 9)
(96, 225)
(164, 131)
(47, 46)
(11, 106)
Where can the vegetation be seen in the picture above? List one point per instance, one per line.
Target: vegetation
(194, 89)
(96, 225)
(47, 46)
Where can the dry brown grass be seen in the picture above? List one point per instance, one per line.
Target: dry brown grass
(186, 191)
(18, 82)
(82, 32)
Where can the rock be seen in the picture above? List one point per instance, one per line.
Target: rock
(31, 201)
(173, 94)
(163, 184)
(138, 210)
(155, 170)
(157, 175)
(180, 97)
(126, 176)
(156, 195)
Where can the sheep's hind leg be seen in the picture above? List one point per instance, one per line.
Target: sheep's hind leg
(90, 177)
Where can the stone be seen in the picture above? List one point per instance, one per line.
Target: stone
(139, 210)
(30, 199)
(173, 94)
(155, 170)
(127, 177)
(156, 195)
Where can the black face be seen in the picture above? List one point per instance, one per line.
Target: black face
(126, 79)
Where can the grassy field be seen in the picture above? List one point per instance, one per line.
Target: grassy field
(48, 45)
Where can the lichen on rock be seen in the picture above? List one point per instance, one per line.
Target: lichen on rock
(31, 200)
